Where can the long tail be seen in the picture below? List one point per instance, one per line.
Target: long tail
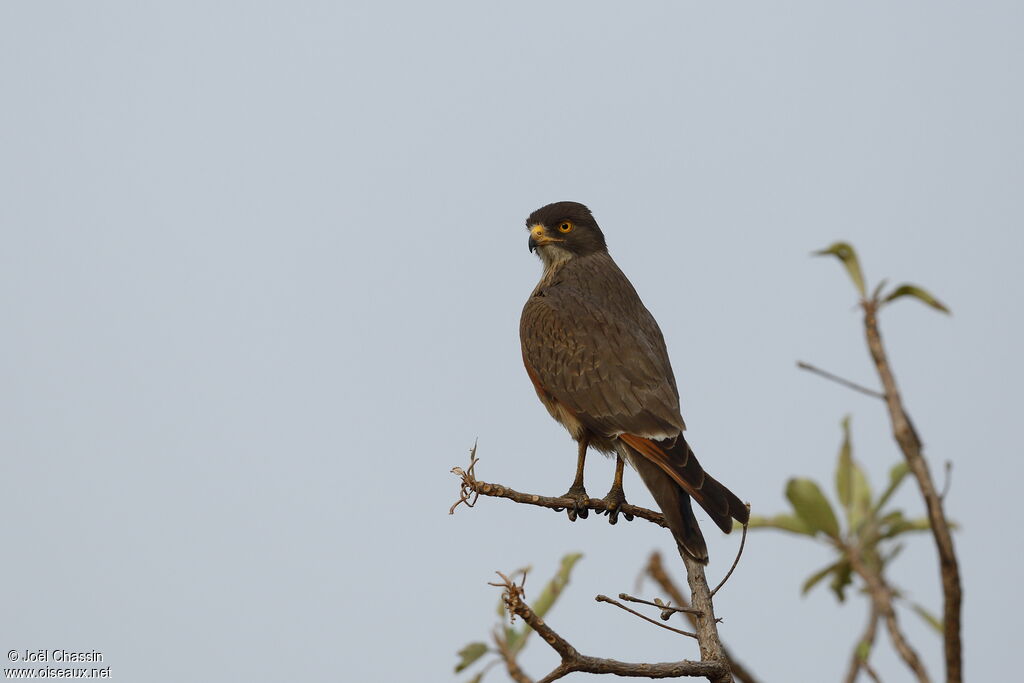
(671, 472)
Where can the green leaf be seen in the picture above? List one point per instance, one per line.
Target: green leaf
(844, 469)
(817, 576)
(851, 483)
(918, 293)
(516, 638)
(932, 620)
(546, 600)
(841, 578)
(894, 524)
(811, 506)
(864, 650)
(470, 654)
(878, 289)
(891, 555)
(896, 475)
(846, 253)
(894, 517)
(555, 586)
(790, 523)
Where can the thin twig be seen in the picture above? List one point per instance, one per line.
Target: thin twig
(948, 480)
(739, 554)
(836, 378)
(605, 598)
(664, 607)
(467, 496)
(910, 443)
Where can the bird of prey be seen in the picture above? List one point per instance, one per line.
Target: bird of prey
(598, 361)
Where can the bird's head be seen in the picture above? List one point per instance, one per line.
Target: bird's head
(564, 230)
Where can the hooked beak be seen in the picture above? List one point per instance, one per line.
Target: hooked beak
(539, 237)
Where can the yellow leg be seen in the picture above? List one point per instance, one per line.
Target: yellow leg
(577, 492)
(616, 498)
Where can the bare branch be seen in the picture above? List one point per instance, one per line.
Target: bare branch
(910, 443)
(471, 488)
(836, 378)
(667, 609)
(573, 661)
(605, 598)
(948, 480)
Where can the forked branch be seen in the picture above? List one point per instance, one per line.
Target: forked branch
(572, 660)
(714, 666)
(910, 443)
(655, 569)
(882, 607)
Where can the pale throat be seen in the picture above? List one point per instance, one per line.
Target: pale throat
(553, 257)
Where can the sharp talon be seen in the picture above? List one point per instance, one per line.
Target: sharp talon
(580, 500)
(629, 517)
(615, 500)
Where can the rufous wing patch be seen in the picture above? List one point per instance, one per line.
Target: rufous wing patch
(652, 452)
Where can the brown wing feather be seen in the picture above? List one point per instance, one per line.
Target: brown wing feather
(590, 343)
(598, 359)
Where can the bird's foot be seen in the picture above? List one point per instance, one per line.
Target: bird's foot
(615, 500)
(580, 501)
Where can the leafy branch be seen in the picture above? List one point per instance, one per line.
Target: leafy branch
(910, 444)
(865, 542)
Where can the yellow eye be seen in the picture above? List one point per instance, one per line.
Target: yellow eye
(565, 226)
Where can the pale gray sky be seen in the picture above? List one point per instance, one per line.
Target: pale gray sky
(261, 276)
